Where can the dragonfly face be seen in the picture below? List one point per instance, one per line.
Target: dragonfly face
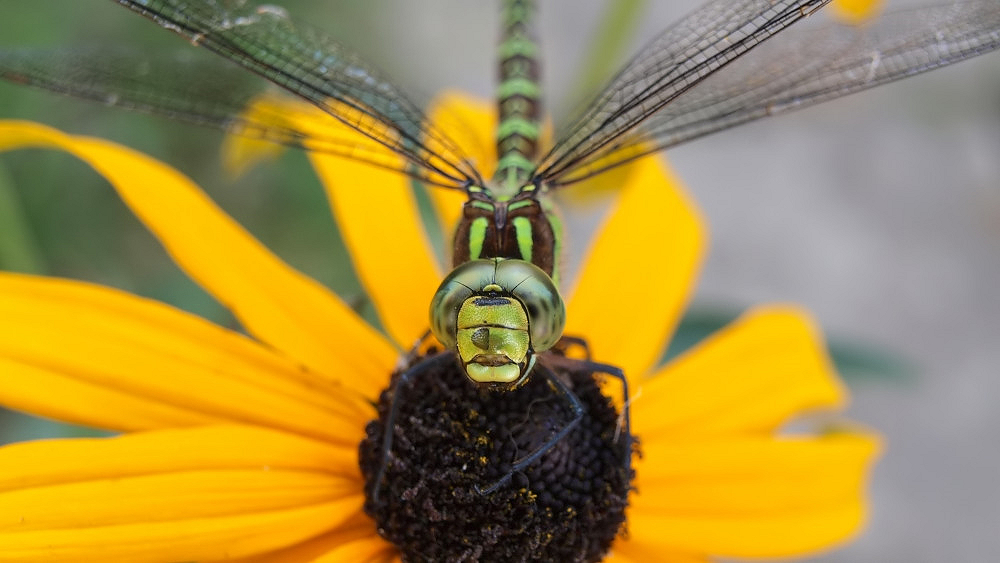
(497, 314)
(493, 342)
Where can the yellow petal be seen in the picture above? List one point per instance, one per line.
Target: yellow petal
(286, 120)
(375, 211)
(378, 218)
(471, 123)
(367, 550)
(751, 497)
(359, 528)
(856, 12)
(240, 153)
(180, 540)
(52, 462)
(751, 376)
(173, 495)
(640, 271)
(101, 357)
(216, 493)
(57, 396)
(625, 551)
(276, 303)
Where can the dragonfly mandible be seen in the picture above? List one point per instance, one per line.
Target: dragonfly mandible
(499, 313)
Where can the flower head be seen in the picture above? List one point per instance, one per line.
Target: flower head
(239, 446)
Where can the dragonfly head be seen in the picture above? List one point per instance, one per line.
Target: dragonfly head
(492, 338)
(497, 314)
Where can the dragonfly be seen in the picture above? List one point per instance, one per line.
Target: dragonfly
(499, 313)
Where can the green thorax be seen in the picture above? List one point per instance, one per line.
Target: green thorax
(525, 227)
(518, 97)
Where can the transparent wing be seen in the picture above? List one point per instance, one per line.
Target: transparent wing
(678, 58)
(806, 65)
(215, 92)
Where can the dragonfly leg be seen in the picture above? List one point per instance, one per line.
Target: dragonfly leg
(418, 346)
(390, 422)
(575, 405)
(626, 424)
(566, 342)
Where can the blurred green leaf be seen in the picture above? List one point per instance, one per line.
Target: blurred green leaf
(17, 427)
(859, 361)
(698, 323)
(18, 248)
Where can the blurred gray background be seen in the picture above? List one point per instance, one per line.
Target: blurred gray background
(879, 212)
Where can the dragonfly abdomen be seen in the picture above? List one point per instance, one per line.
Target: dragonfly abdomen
(518, 97)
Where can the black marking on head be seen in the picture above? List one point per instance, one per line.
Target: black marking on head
(491, 301)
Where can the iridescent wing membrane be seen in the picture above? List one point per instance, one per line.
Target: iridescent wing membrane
(671, 93)
(716, 68)
(261, 39)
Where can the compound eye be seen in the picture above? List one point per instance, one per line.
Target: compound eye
(522, 280)
(456, 287)
(540, 297)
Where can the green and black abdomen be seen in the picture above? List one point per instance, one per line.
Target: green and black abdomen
(518, 97)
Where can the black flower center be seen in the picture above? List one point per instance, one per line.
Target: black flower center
(452, 440)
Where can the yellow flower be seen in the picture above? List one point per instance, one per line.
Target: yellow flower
(240, 446)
